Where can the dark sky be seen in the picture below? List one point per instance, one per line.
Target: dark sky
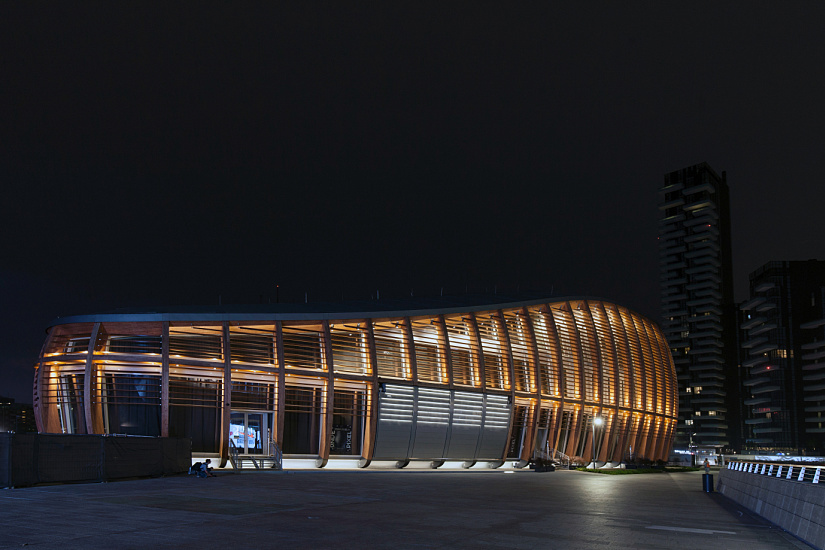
(172, 153)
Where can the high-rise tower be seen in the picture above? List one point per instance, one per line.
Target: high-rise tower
(698, 310)
(783, 358)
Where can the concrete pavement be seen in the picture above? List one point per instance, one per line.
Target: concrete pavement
(385, 509)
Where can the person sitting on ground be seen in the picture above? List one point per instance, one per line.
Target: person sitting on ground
(206, 469)
(202, 469)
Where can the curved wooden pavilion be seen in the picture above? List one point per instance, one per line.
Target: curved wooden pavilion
(429, 381)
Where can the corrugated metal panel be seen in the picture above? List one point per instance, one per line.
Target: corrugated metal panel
(468, 409)
(431, 423)
(395, 422)
(496, 424)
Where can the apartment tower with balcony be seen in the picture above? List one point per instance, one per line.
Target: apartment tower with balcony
(782, 358)
(698, 309)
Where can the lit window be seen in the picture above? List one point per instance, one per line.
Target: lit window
(711, 413)
(689, 422)
(698, 413)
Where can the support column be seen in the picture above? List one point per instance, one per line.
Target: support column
(371, 421)
(527, 451)
(226, 410)
(164, 380)
(280, 405)
(326, 429)
(502, 330)
(40, 393)
(88, 380)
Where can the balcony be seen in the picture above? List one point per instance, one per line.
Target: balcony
(814, 377)
(813, 356)
(701, 253)
(672, 220)
(754, 361)
(754, 342)
(749, 324)
(709, 301)
(766, 430)
(703, 203)
(757, 400)
(817, 397)
(672, 204)
(678, 186)
(702, 285)
(764, 348)
(709, 309)
(698, 189)
(813, 324)
(814, 345)
(814, 366)
(752, 303)
(706, 334)
(756, 381)
(704, 219)
(764, 328)
(762, 287)
(761, 369)
(705, 245)
(757, 421)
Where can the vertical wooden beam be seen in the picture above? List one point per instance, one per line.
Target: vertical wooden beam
(164, 380)
(482, 374)
(558, 372)
(88, 379)
(482, 378)
(410, 344)
(226, 410)
(502, 330)
(281, 404)
(326, 429)
(371, 421)
(414, 372)
(534, 358)
(444, 342)
(600, 384)
(40, 395)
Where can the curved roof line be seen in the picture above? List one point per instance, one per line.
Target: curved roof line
(320, 311)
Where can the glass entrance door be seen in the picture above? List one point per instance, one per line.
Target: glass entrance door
(249, 431)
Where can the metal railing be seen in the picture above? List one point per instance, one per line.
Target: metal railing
(274, 460)
(554, 455)
(276, 455)
(233, 456)
(807, 474)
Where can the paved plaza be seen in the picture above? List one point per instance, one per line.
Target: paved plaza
(385, 509)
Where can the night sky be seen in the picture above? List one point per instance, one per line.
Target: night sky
(181, 153)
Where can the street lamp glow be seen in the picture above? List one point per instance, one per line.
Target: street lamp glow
(597, 421)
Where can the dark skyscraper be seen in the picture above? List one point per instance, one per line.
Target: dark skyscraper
(698, 310)
(782, 358)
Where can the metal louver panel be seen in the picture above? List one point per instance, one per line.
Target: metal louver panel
(496, 424)
(431, 424)
(395, 422)
(468, 409)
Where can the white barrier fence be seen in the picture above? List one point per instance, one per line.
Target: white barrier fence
(807, 474)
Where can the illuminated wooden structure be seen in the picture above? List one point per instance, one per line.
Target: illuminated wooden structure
(474, 385)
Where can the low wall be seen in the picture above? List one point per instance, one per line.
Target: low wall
(798, 507)
(31, 459)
